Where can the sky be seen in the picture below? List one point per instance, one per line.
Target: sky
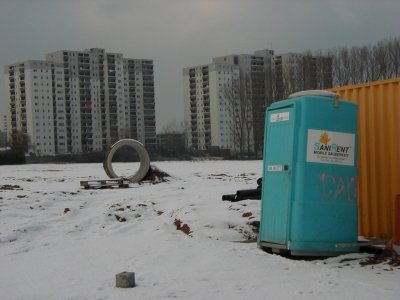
(184, 33)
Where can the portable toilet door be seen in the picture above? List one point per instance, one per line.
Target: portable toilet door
(278, 162)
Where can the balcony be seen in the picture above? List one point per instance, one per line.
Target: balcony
(84, 74)
(148, 77)
(150, 126)
(147, 69)
(148, 88)
(149, 107)
(148, 95)
(149, 115)
(147, 62)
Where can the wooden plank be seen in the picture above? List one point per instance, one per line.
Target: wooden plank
(105, 183)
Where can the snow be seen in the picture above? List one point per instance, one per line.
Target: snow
(60, 241)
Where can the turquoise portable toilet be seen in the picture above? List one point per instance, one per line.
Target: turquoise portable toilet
(309, 188)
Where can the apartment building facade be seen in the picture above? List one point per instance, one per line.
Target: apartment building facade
(209, 99)
(31, 89)
(3, 130)
(263, 78)
(255, 89)
(239, 91)
(85, 101)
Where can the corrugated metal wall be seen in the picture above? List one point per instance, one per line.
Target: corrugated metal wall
(379, 153)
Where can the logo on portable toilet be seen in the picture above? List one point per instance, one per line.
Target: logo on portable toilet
(325, 139)
(330, 147)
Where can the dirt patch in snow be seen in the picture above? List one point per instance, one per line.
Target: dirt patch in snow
(155, 175)
(10, 187)
(388, 257)
(182, 227)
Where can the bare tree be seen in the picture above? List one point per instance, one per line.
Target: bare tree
(354, 65)
(232, 101)
(381, 60)
(174, 127)
(288, 79)
(19, 141)
(261, 97)
(323, 67)
(395, 57)
(172, 140)
(364, 57)
(238, 97)
(186, 130)
(246, 97)
(366, 63)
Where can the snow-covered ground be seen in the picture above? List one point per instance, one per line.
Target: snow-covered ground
(59, 241)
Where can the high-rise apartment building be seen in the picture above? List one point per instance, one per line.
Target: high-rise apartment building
(31, 91)
(208, 105)
(243, 90)
(255, 90)
(261, 78)
(82, 101)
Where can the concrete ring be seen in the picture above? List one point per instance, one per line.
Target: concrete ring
(140, 150)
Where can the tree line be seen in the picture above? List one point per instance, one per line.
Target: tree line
(334, 67)
(361, 64)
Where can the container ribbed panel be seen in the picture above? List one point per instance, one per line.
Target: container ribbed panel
(379, 153)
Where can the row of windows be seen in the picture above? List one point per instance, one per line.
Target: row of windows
(44, 137)
(44, 124)
(44, 144)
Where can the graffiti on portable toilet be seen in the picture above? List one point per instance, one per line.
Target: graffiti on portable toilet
(336, 188)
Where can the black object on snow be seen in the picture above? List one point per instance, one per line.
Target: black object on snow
(254, 194)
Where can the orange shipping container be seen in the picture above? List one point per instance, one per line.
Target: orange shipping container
(379, 153)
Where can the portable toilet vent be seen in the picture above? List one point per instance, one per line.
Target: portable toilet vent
(309, 188)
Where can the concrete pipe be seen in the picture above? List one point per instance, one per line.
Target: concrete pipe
(140, 150)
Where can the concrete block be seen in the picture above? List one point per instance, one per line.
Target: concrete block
(125, 280)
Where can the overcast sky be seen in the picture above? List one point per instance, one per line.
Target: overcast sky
(184, 33)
